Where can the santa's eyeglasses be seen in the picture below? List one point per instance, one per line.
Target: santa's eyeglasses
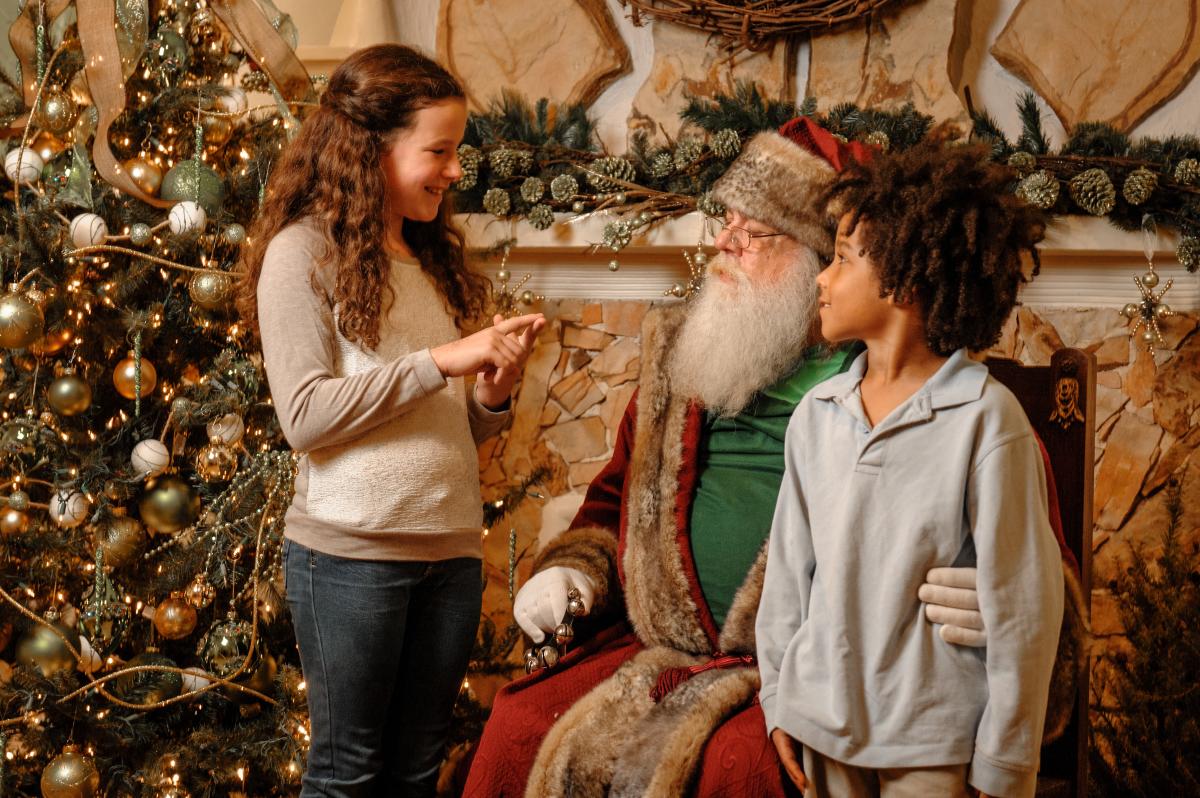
(739, 237)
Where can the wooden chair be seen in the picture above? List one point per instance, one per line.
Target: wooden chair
(1060, 400)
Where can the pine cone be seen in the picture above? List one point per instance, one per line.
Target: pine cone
(1139, 185)
(726, 143)
(469, 179)
(532, 189)
(687, 152)
(469, 156)
(709, 206)
(1023, 162)
(497, 202)
(1039, 189)
(1093, 191)
(541, 217)
(1188, 253)
(662, 164)
(879, 139)
(610, 166)
(563, 188)
(617, 236)
(1187, 172)
(504, 162)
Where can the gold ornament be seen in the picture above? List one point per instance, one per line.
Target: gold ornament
(121, 540)
(199, 593)
(125, 377)
(52, 342)
(41, 648)
(47, 145)
(210, 290)
(13, 522)
(57, 112)
(21, 321)
(18, 436)
(175, 618)
(168, 505)
(216, 462)
(68, 395)
(145, 174)
(70, 775)
(226, 646)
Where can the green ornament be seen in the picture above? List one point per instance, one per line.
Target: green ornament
(1039, 189)
(148, 687)
(105, 617)
(192, 180)
(497, 202)
(1023, 162)
(225, 647)
(687, 152)
(1187, 172)
(532, 189)
(613, 166)
(1188, 252)
(171, 46)
(1139, 185)
(140, 234)
(1093, 191)
(18, 500)
(563, 188)
(541, 217)
(726, 143)
(709, 206)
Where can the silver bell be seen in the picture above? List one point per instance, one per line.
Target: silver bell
(576, 607)
(548, 656)
(563, 634)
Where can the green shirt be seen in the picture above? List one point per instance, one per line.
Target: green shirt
(739, 473)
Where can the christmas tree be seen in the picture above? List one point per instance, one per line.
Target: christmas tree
(144, 647)
(1146, 729)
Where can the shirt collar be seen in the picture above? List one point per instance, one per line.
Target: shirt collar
(959, 380)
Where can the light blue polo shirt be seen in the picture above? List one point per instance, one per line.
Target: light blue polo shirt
(850, 665)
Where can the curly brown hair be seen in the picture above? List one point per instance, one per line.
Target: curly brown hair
(944, 232)
(331, 176)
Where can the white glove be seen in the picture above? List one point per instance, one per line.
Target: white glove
(541, 602)
(950, 599)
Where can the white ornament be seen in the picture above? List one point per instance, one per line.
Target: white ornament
(89, 660)
(195, 678)
(233, 101)
(88, 229)
(186, 216)
(23, 165)
(227, 429)
(68, 508)
(150, 458)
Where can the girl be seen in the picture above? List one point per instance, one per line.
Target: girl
(356, 283)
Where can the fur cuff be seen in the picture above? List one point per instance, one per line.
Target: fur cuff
(592, 550)
(1070, 665)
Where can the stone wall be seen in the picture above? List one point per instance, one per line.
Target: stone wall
(580, 378)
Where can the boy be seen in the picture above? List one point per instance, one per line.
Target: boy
(912, 459)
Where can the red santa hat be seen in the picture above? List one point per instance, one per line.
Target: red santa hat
(779, 177)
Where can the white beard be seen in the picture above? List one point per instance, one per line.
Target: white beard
(739, 339)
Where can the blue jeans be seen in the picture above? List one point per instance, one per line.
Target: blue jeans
(384, 647)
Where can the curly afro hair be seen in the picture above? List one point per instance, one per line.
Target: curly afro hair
(945, 232)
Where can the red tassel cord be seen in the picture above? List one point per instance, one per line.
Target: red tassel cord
(671, 678)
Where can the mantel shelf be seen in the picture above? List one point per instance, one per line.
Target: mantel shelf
(1085, 262)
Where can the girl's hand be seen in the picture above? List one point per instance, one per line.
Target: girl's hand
(786, 747)
(495, 383)
(487, 350)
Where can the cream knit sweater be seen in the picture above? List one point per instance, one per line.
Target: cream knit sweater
(389, 470)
